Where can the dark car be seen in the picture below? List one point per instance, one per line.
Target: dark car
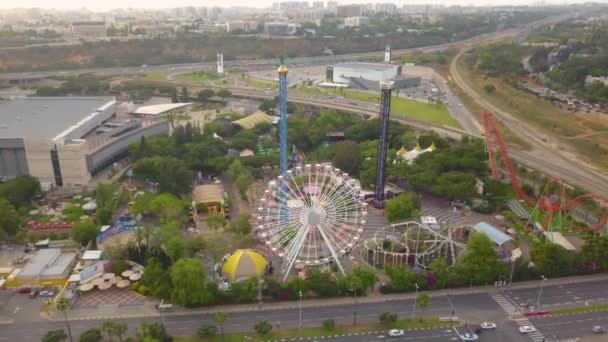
(24, 290)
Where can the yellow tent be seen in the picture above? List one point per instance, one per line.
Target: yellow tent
(418, 148)
(244, 263)
(402, 151)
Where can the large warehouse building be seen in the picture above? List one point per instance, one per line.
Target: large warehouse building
(368, 75)
(64, 141)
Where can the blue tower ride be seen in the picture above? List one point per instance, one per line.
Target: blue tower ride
(283, 150)
(386, 88)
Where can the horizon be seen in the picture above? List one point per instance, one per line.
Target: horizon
(109, 5)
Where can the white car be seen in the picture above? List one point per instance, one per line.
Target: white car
(396, 332)
(469, 337)
(526, 329)
(488, 325)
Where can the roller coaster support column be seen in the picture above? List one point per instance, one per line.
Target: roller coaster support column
(386, 87)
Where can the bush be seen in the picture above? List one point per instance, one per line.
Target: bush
(489, 88)
(262, 327)
(329, 324)
(135, 286)
(206, 331)
(142, 290)
(387, 318)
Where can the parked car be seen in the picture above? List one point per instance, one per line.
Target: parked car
(47, 294)
(33, 293)
(526, 329)
(24, 290)
(469, 337)
(598, 329)
(488, 325)
(396, 332)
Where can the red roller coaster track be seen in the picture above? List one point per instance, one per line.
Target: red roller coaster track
(495, 144)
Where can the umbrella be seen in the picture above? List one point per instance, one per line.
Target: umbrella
(244, 263)
(34, 212)
(86, 287)
(97, 281)
(127, 273)
(105, 285)
(108, 276)
(135, 276)
(115, 280)
(84, 217)
(123, 283)
(89, 206)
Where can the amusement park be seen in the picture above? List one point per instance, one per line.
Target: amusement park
(302, 204)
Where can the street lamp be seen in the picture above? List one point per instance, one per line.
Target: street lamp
(415, 299)
(160, 310)
(541, 290)
(355, 308)
(300, 324)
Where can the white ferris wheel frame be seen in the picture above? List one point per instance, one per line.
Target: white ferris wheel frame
(310, 215)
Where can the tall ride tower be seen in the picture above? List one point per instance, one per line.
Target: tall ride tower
(283, 116)
(386, 88)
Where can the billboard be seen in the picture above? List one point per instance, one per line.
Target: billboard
(387, 54)
(220, 63)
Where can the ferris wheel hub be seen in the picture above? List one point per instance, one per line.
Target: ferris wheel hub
(312, 216)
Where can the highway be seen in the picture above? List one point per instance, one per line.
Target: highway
(589, 293)
(560, 328)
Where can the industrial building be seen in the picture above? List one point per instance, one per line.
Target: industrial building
(65, 141)
(368, 75)
(50, 266)
(280, 29)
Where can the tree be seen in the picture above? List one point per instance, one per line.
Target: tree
(387, 318)
(153, 332)
(489, 88)
(104, 195)
(103, 216)
(594, 253)
(347, 156)
(63, 305)
(176, 248)
(297, 286)
(9, 219)
(480, 263)
(224, 93)
(552, 260)
(169, 207)
(206, 331)
(367, 276)
(244, 139)
(455, 185)
(20, 191)
(120, 329)
(171, 174)
(55, 336)
(220, 318)
(188, 280)
(423, 300)
(155, 278)
(402, 207)
(85, 231)
(262, 327)
(241, 224)
(439, 270)
(215, 221)
(205, 94)
(243, 181)
(107, 326)
(329, 324)
(92, 335)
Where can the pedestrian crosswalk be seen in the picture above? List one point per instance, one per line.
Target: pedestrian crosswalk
(510, 309)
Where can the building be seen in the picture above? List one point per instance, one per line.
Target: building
(356, 21)
(589, 80)
(318, 5)
(209, 195)
(50, 266)
(497, 236)
(346, 11)
(280, 29)
(308, 16)
(244, 26)
(156, 111)
(386, 8)
(64, 141)
(292, 5)
(89, 29)
(345, 72)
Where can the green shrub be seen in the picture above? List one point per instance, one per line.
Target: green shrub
(262, 327)
(206, 331)
(329, 324)
(387, 318)
(135, 286)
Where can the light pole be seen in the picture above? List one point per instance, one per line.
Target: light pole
(300, 324)
(160, 310)
(415, 299)
(541, 290)
(447, 294)
(355, 309)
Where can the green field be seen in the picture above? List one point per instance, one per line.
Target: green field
(156, 76)
(199, 77)
(252, 82)
(433, 113)
(316, 332)
(582, 309)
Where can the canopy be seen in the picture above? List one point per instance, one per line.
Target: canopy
(108, 276)
(127, 273)
(105, 285)
(244, 263)
(86, 287)
(90, 206)
(123, 283)
(135, 276)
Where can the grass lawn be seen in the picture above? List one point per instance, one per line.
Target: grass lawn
(581, 309)
(433, 113)
(311, 90)
(316, 332)
(199, 76)
(156, 76)
(261, 83)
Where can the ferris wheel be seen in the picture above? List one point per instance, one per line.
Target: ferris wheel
(311, 215)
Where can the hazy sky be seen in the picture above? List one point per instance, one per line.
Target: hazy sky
(109, 4)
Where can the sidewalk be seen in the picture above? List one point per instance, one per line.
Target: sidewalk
(148, 310)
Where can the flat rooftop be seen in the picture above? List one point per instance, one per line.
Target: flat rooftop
(159, 109)
(47, 263)
(45, 117)
(366, 66)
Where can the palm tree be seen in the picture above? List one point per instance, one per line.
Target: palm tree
(63, 305)
(220, 319)
(107, 326)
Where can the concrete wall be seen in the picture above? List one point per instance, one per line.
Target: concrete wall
(341, 74)
(13, 162)
(72, 161)
(72, 158)
(38, 156)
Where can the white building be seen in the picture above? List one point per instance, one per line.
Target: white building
(591, 79)
(241, 25)
(386, 8)
(344, 72)
(356, 21)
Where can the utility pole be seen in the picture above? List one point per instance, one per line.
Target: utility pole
(540, 292)
(300, 324)
(415, 300)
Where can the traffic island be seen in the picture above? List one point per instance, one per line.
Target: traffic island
(579, 310)
(360, 329)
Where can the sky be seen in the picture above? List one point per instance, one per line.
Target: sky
(102, 5)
